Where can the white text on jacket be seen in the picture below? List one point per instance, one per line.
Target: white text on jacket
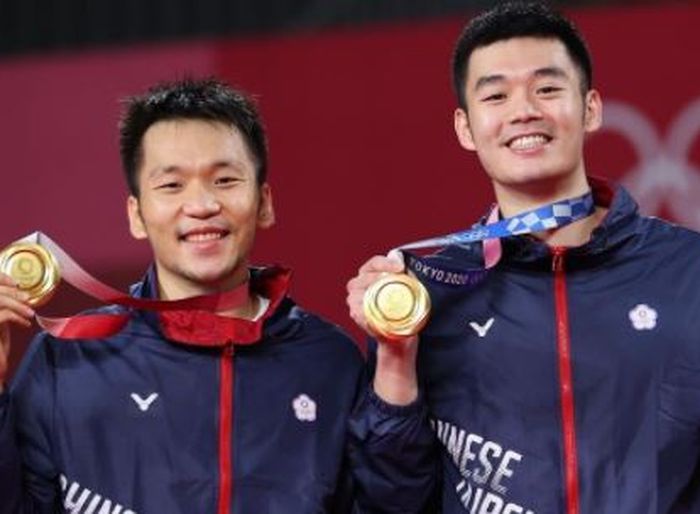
(81, 500)
(485, 467)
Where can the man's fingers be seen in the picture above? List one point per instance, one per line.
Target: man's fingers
(396, 255)
(368, 274)
(6, 280)
(14, 303)
(382, 264)
(7, 316)
(354, 301)
(13, 292)
(362, 282)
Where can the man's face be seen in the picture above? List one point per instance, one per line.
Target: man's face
(199, 205)
(526, 117)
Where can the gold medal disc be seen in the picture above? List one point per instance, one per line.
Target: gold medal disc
(33, 268)
(396, 306)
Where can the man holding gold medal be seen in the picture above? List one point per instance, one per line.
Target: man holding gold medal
(559, 371)
(202, 391)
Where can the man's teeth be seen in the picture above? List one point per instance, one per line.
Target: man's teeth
(528, 142)
(209, 236)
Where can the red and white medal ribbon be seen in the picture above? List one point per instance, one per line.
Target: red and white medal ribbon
(192, 320)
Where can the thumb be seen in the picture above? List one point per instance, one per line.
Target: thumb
(397, 255)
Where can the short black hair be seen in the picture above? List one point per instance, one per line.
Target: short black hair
(206, 99)
(518, 19)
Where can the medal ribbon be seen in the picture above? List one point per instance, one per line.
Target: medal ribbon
(547, 217)
(192, 320)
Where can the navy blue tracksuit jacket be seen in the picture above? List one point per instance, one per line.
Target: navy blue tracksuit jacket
(568, 382)
(138, 424)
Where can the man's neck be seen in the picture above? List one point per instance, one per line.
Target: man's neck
(513, 201)
(574, 234)
(247, 309)
(519, 198)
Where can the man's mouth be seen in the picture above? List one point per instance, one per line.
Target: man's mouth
(204, 235)
(528, 141)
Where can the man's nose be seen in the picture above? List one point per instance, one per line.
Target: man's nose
(201, 201)
(525, 108)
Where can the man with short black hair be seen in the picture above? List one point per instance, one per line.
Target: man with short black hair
(243, 410)
(567, 380)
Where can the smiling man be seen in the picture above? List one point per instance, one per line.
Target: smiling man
(239, 411)
(567, 380)
(199, 202)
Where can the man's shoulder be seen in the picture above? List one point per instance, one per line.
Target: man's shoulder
(307, 328)
(658, 230)
(46, 351)
(35, 364)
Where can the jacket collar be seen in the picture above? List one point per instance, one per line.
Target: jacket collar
(204, 328)
(618, 225)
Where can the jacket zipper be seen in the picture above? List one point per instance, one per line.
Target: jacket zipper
(225, 430)
(566, 389)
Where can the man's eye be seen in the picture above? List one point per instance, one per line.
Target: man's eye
(168, 186)
(225, 181)
(495, 97)
(546, 90)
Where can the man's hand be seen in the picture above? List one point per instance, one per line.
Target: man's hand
(395, 379)
(367, 275)
(13, 309)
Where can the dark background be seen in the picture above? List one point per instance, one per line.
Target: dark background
(49, 25)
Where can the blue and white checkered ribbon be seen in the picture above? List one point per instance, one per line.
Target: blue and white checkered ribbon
(548, 217)
(436, 269)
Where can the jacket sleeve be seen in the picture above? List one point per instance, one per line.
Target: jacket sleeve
(10, 464)
(28, 476)
(393, 456)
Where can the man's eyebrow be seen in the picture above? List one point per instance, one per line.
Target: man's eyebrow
(232, 164)
(487, 80)
(551, 71)
(162, 170)
(547, 71)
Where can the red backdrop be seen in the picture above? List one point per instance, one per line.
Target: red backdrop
(363, 156)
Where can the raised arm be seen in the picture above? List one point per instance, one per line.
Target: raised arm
(391, 446)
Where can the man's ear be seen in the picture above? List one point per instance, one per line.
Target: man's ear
(463, 130)
(133, 211)
(266, 209)
(593, 115)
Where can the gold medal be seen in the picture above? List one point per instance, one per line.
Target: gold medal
(396, 306)
(33, 268)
